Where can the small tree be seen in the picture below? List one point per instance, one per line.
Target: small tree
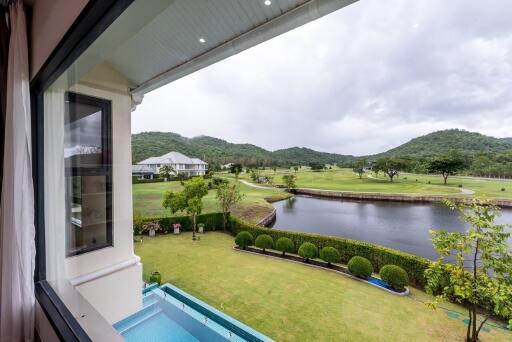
(289, 181)
(482, 272)
(181, 177)
(391, 167)
(188, 200)
(446, 165)
(285, 245)
(228, 196)
(236, 169)
(316, 166)
(167, 171)
(295, 168)
(359, 170)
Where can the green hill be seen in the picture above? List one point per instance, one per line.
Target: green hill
(440, 142)
(218, 151)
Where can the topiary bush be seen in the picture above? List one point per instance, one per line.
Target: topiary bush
(264, 241)
(285, 245)
(308, 251)
(395, 276)
(330, 255)
(244, 239)
(360, 267)
(155, 277)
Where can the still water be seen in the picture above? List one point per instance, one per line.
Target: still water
(402, 226)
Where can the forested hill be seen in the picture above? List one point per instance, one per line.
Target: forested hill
(217, 151)
(440, 142)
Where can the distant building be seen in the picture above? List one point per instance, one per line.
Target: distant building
(178, 161)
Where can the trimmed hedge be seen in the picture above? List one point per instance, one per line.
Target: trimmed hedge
(395, 276)
(264, 241)
(285, 245)
(308, 250)
(211, 221)
(330, 255)
(244, 239)
(136, 180)
(360, 267)
(379, 256)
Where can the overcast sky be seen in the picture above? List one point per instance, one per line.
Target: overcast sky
(359, 81)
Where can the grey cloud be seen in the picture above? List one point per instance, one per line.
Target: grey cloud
(361, 80)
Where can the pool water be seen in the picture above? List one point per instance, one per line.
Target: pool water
(379, 282)
(170, 314)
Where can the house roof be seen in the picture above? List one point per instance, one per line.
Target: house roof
(176, 38)
(172, 158)
(141, 169)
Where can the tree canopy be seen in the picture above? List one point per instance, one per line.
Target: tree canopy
(446, 165)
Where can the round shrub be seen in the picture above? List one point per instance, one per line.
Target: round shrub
(264, 241)
(244, 239)
(285, 245)
(395, 276)
(360, 267)
(330, 254)
(308, 251)
(502, 189)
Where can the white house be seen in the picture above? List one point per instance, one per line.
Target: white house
(179, 162)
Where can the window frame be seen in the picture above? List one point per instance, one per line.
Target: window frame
(105, 169)
(94, 19)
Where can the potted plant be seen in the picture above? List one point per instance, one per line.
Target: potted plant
(200, 228)
(155, 277)
(151, 228)
(177, 228)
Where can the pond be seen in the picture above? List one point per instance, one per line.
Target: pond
(397, 225)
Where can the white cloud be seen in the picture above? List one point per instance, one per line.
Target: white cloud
(359, 81)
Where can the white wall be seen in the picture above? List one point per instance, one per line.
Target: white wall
(114, 295)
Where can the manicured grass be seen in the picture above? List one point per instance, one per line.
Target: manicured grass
(294, 302)
(147, 200)
(346, 180)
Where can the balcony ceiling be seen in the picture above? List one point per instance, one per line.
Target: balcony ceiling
(157, 44)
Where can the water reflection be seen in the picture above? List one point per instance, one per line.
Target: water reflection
(402, 226)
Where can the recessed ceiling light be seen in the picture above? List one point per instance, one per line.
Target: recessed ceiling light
(202, 40)
(268, 2)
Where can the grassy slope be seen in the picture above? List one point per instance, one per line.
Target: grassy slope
(346, 180)
(292, 302)
(147, 200)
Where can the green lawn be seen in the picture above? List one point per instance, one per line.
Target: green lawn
(147, 200)
(293, 302)
(346, 180)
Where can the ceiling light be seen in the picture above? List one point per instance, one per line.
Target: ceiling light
(268, 2)
(202, 40)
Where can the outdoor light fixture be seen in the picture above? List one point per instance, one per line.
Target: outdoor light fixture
(202, 40)
(268, 2)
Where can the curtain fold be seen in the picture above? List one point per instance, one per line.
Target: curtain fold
(4, 53)
(17, 244)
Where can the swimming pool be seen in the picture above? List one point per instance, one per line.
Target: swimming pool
(170, 314)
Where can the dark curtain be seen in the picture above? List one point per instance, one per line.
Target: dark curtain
(4, 52)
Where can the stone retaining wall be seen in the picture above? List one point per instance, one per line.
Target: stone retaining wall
(268, 220)
(390, 197)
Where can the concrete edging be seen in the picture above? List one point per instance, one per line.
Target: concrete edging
(389, 197)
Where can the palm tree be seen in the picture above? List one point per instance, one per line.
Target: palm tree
(167, 171)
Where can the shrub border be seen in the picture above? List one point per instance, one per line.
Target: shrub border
(379, 256)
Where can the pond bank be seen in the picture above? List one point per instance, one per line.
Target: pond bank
(389, 197)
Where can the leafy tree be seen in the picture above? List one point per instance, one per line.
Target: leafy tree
(316, 166)
(391, 167)
(275, 169)
(236, 169)
(228, 196)
(188, 200)
(295, 168)
(359, 167)
(289, 181)
(446, 165)
(482, 272)
(167, 171)
(182, 177)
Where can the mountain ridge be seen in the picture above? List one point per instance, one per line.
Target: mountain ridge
(219, 151)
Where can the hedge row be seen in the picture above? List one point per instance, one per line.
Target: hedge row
(379, 256)
(212, 221)
(137, 180)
